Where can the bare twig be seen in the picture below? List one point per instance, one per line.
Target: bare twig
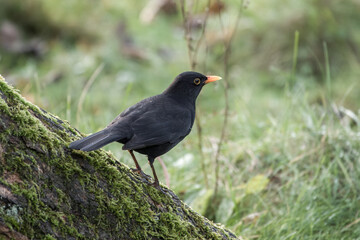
(191, 49)
(187, 33)
(227, 51)
(200, 146)
(192, 54)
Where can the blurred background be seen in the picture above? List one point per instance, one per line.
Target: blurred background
(275, 152)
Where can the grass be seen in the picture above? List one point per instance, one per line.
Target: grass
(289, 165)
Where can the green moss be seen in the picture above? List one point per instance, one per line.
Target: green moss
(49, 237)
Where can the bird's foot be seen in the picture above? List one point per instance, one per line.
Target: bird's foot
(158, 187)
(141, 173)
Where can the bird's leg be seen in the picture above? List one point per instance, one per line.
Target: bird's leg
(138, 168)
(156, 182)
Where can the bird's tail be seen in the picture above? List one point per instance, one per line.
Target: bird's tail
(94, 141)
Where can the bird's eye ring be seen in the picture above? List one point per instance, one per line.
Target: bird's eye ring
(197, 81)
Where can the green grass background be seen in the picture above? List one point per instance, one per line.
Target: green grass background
(289, 163)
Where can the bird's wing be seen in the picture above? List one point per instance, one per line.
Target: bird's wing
(165, 123)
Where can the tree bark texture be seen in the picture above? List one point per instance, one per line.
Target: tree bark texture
(48, 191)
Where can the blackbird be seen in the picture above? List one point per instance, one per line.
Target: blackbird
(154, 125)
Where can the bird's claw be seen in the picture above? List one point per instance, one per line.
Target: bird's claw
(141, 173)
(158, 187)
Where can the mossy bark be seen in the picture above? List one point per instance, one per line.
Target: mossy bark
(48, 191)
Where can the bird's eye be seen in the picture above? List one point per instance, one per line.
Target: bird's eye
(197, 81)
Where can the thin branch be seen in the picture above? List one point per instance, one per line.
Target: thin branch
(192, 54)
(202, 35)
(186, 27)
(227, 52)
(200, 147)
(193, 51)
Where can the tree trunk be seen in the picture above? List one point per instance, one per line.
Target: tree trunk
(48, 191)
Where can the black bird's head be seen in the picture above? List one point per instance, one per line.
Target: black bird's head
(187, 85)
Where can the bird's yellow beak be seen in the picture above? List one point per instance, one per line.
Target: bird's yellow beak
(212, 79)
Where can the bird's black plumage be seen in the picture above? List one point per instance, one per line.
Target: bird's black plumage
(154, 125)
